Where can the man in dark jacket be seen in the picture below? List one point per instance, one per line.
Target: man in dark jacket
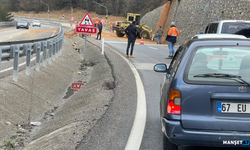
(131, 32)
(100, 31)
(173, 32)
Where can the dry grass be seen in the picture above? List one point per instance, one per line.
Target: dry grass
(78, 14)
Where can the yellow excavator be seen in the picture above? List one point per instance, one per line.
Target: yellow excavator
(145, 31)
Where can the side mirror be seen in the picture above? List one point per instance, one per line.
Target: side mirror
(161, 68)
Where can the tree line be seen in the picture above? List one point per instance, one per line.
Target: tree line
(115, 7)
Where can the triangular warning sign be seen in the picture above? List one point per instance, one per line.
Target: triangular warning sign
(86, 21)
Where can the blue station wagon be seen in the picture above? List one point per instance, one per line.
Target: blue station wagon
(205, 97)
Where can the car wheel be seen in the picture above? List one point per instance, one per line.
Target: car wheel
(167, 145)
(17, 27)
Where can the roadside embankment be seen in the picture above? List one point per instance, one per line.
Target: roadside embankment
(46, 97)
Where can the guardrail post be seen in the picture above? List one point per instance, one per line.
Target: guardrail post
(54, 50)
(0, 57)
(44, 49)
(16, 49)
(38, 53)
(57, 47)
(60, 45)
(50, 45)
(102, 46)
(28, 49)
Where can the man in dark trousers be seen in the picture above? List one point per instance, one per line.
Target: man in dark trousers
(159, 33)
(172, 35)
(100, 32)
(131, 32)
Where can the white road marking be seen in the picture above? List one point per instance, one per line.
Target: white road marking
(116, 42)
(136, 134)
(120, 42)
(153, 48)
(53, 33)
(144, 66)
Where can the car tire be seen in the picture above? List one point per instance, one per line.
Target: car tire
(168, 145)
(17, 27)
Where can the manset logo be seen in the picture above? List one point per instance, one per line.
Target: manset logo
(236, 142)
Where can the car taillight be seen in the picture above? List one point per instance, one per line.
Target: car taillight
(174, 102)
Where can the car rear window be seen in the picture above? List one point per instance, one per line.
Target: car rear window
(233, 27)
(212, 28)
(234, 60)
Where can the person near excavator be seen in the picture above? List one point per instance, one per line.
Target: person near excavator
(131, 32)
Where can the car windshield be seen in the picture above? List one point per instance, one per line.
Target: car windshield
(36, 21)
(233, 27)
(220, 62)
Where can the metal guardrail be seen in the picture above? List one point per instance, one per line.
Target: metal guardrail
(50, 48)
(55, 20)
(7, 24)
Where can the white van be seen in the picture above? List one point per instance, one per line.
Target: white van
(227, 26)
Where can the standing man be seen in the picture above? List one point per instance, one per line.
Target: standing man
(131, 32)
(110, 28)
(159, 33)
(100, 32)
(173, 32)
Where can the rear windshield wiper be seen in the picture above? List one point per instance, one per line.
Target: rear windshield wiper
(221, 75)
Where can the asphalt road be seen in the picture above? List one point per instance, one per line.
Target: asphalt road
(146, 56)
(13, 34)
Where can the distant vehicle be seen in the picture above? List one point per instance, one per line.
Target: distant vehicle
(145, 31)
(228, 27)
(205, 96)
(218, 36)
(36, 23)
(22, 24)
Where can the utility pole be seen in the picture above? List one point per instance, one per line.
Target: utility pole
(48, 7)
(106, 12)
(71, 14)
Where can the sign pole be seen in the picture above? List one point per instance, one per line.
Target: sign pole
(102, 46)
(85, 46)
(71, 16)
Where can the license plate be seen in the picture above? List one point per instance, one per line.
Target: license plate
(224, 107)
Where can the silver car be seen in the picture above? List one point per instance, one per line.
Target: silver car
(36, 23)
(22, 24)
